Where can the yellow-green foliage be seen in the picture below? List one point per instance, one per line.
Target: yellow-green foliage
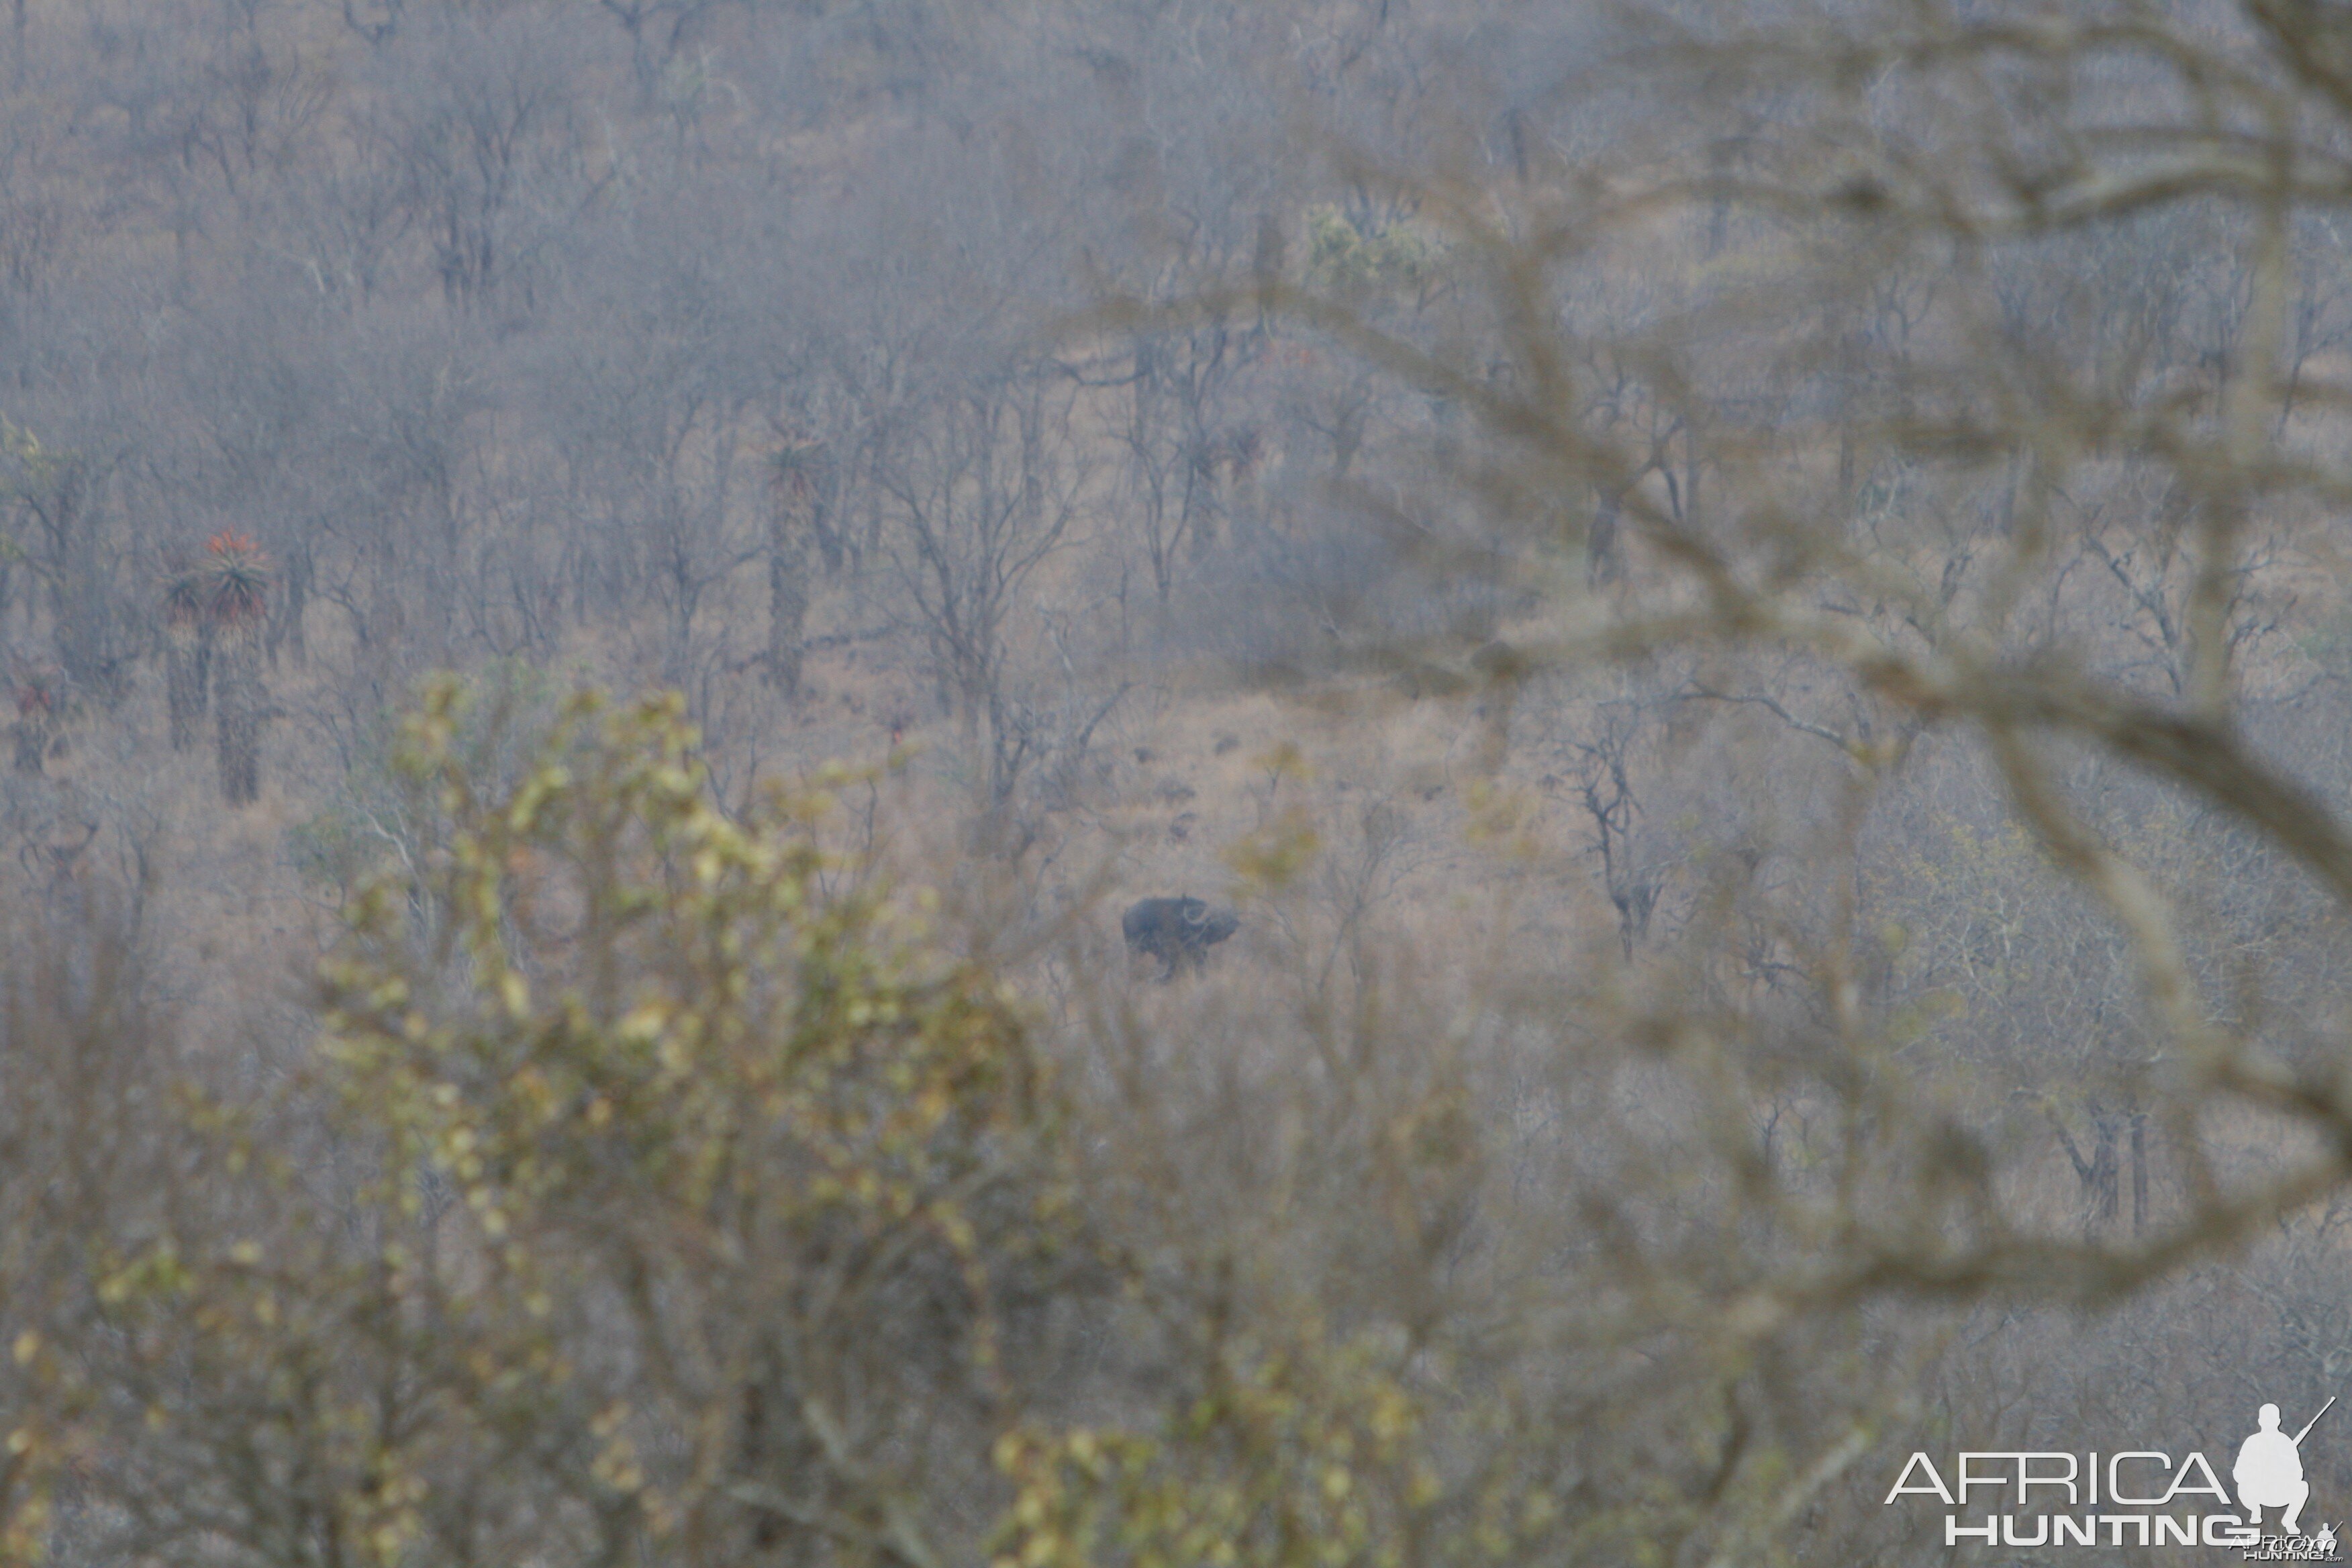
(722, 1130)
(686, 1177)
(703, 1048)
(1344, 258)
(36, 463)
(710, 1018)
(1277, 855)
(1310, 1458)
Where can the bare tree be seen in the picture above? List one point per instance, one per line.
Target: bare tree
(984, 489)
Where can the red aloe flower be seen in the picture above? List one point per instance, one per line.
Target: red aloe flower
(39, 688)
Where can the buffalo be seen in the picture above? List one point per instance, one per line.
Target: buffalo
(1178, 932)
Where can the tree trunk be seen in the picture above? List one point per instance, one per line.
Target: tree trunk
(1603, 563)
(787, 601)
(286, 626)
(186, 656)
(2100, 1173)
(2101, 1194)
(2139, 1173)
(830, 545)
(31, 734)
(79, 594)
(238, 708)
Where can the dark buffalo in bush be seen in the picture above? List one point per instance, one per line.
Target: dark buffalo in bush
(1177, 931)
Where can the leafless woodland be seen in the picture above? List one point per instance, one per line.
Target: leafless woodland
(603, 603)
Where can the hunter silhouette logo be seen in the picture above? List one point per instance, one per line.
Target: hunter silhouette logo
(2269, 1471)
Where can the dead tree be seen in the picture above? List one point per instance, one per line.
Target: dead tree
(1633, 885)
